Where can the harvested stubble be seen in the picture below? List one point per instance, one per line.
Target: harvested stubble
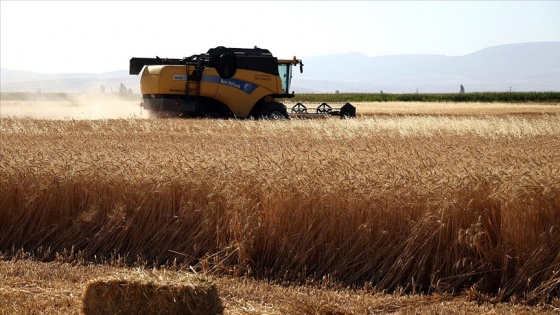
(28, 287)
(413, 203)
(144, 294)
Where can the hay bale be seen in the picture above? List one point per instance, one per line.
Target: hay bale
(149, 294)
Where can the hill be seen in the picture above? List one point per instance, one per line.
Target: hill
(523, 67)
(519, 67)
(25, 81)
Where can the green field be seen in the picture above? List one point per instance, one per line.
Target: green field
(483, 97)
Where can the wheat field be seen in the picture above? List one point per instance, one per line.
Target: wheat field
(416, 204)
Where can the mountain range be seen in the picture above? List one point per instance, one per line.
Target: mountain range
(516, 67)
(25, 81)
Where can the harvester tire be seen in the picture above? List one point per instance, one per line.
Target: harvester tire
(347, 111)
(275, 111)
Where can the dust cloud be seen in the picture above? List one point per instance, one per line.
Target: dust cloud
(67, 107)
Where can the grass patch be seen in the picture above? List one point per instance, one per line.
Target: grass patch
(482, 97)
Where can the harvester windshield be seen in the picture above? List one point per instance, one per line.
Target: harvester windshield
(285, 72)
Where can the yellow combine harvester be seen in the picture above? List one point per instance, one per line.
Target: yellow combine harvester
(224, 82)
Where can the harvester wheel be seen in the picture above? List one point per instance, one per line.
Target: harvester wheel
(299, 108)
(324, 108)
(274, 110)
(347, 111)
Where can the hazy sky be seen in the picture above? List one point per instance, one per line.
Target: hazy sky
(101, 36)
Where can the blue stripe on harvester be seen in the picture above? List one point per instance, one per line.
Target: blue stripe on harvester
(246, 87)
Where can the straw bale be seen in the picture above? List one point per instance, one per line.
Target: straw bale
(149, 294)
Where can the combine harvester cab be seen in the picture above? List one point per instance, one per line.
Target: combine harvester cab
(224, 82)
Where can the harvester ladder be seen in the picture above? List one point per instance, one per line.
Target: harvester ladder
(187, 86)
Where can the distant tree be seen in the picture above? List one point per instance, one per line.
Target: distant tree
(122, 89)
(462, 90)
